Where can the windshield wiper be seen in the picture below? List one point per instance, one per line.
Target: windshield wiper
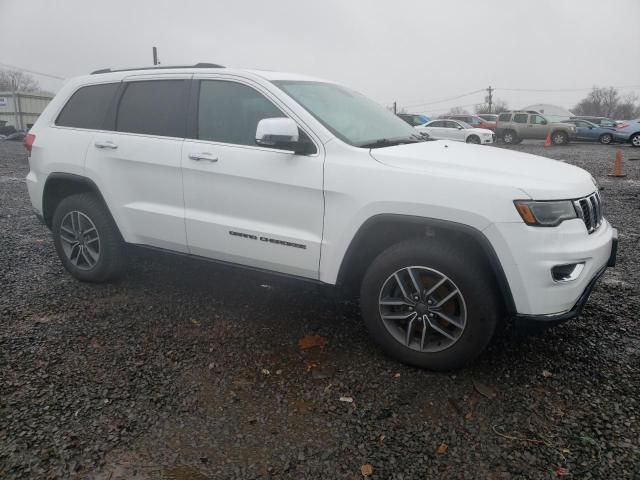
(389, 142)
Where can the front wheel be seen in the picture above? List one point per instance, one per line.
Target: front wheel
(606, 138)
(87, 239)
(559, 138)
(635, 140)
(473, 139)
(429, 305)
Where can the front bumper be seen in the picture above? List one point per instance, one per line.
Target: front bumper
(527, 256)
(535, 321)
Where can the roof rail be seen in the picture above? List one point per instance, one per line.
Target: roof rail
(158, 67)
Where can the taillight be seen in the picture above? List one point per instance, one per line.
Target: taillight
(621, 125)
(29, 138)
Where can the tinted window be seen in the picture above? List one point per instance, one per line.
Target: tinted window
(520, 118)
(606, 123)
(537, 120)
(153, 108)
(504, 117)
(229, 112)
(437, 124)
(87, 107)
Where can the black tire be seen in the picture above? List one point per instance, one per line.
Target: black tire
(559, 138)
(634, 140)
(110, 262)
(606, 139)
(510, 137)
(467, 273)
(473, 139)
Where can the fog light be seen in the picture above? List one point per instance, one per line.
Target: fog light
(567, 272)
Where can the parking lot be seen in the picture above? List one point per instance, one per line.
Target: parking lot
(190, 370)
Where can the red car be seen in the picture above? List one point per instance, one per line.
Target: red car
(474, 120)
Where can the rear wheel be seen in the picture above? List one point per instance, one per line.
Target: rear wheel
(559, 137)
(429, 305)
(635, 140)
(606, 138)
(509, 137)
(87, 239)
(473, 139)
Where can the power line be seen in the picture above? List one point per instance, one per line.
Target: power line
(31, 71)
(422, 104)
(561, 89)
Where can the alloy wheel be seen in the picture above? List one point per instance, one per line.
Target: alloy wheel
(80, 240)
(423, 309)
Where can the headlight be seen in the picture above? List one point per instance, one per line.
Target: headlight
(545, 214)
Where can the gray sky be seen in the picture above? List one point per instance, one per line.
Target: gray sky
(414, 52)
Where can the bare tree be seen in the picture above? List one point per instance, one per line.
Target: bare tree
(16, 81)
(606, 102)
(498, 106)
(456, 111)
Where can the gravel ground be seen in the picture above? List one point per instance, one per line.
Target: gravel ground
(188, 370)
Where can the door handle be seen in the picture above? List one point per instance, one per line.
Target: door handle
(107, 144)
(204, 156)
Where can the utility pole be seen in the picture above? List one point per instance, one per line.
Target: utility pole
(490, 99)
(155, 56)
(395, 108)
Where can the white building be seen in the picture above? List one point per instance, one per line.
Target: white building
(554, 113)
(21, 110)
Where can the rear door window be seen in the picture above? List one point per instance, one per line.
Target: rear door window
(87, 107)
(504, 117)
(155, 107)
(520, 118)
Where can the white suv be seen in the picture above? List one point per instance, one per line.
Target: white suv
(305, 177)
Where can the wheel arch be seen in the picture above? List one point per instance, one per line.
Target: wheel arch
(384, 230)
(60, 185)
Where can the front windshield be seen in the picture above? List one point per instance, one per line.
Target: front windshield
(349, 115)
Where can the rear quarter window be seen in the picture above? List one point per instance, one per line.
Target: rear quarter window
(87, 107)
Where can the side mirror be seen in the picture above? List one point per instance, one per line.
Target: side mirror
(459, 127)
(280, 133)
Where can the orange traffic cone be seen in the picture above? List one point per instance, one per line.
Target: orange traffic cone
(618, 166)
(547, 142)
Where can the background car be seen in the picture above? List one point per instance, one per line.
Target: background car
(489, 117)
(600, 121)
(17, 136)
(518, 125)
(456, 130)
(590, 132)
(414, 119)
(629, 131)
(474, 120)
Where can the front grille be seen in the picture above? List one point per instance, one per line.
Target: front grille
(589, 209)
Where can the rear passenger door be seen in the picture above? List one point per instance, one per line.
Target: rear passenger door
(245, 203)
(136, 160)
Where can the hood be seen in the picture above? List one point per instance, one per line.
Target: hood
(480, 130)
(538, 177)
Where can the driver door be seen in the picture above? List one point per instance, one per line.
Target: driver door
(538, 126)
(245, 203)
